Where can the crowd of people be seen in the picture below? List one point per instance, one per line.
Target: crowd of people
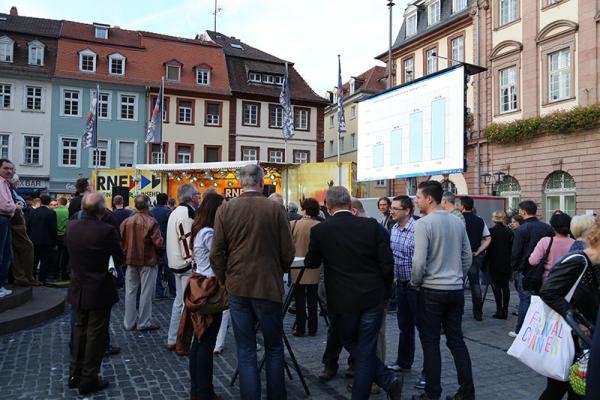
(235, 254)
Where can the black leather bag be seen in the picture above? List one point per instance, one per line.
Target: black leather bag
(533, 277)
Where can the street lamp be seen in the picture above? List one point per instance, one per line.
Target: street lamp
(390, 4)
(493, 179)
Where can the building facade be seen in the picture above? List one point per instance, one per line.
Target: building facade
(256, 117)
(28, 51)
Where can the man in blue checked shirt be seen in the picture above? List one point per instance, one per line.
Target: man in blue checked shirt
(402, 242)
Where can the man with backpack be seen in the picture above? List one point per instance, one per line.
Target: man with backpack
(526, 237)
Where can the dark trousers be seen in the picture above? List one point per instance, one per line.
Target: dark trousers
(89, 340)
(555, 390)
(164, 273)
(499, 282)
(306, 295)
(201, 361)
(406, 300)
(473, 275)
(42, 254)
(334, 345)
(5, 248)
(22, 263)
(593, 373)
(61, 259)
(359, 332)
(444, 309)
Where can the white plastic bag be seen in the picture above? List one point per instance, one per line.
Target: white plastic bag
(544, 342)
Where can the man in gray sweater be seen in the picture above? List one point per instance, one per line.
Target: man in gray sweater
(441, 260)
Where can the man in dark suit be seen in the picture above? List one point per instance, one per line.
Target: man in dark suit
(91, 243)
(359, 268)
(43, 233)
(161, 213)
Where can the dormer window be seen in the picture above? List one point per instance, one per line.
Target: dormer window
(36, 53)
(433, 12)
(458, 5)
(116, 64)
(278, 80)
(411, 24)
(352, 86)
(87, 61)
(268, 79)
(173, 70)
(254, 77)
(101, 31)
(203, 74)
(7, 46)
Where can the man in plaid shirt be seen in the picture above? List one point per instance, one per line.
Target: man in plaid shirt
(402, 241)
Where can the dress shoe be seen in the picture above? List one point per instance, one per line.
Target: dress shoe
(499, 316)
(349, 372)
(458, 397)
(374, 389)
(151, 327)
(93, 387)
(327, 374)
(170, 347)
(73, 382)
(422, 396)
(297, 333)
(112, 350)
(395, 390)
(478, 318)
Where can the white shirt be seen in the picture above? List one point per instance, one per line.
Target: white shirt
(202, 243)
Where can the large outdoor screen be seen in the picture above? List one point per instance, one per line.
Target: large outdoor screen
(413, 130)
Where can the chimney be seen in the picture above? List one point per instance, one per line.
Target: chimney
(14, 12)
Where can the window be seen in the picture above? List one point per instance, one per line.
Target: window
(6, 49)
(116, 64)
(278, 80)
(4, 141)
(559, 75)
(269, 79)
(331, 121)
(213, 114)
(212, 153)
(341, 144)
(301, 156)
(33, 98)
(69, 152)
(550, 2)
(5, 96)
(158, 155)
(99, 157)
(458, 5)
(411, 24)
(202, 76)
(559, 193)
(433, 12)
(409, 73)
(511, 190)
(173, 72)
(352, 140)
(126, 154)
(128, 104)
(87, 61)
(301, 118)
(185, 111)
(101, 32)
(254, 77)
(508, 89)
(250, 114)
(276, 155)
(36, 53)
(508, 11)
(249, 153)
(103, 104)
(458, 50)
(32, 150)
(380, 183)
(184, 153)
(353, 111)
(431, 60)
(71, 101)
(449, 186)
(275, 116)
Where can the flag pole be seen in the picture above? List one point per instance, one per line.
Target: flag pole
(285, 140)
(95, 159)
(340, 91)
(162, 108)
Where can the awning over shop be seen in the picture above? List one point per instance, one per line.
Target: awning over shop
(207, 166)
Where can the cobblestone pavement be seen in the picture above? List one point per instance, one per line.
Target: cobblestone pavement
(34, 363)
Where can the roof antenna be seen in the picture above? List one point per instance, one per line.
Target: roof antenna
(217, 10)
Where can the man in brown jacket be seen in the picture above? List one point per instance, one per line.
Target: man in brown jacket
(143, 245)
(251, 250)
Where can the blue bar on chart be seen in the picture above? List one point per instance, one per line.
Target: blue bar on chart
(415, 121)
(396, 146)
(438, 129)
(378, 155)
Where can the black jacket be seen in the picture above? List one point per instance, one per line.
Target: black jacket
(42, 227)
(358, 262)
(561, 279)
(526, 237)
(498, 252)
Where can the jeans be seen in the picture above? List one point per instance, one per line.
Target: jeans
(359, 332)
(201, 362)
(163, 270)
(5, 248)
(407, 317)
(473, 275)
(181, 281)
(437, 309)
(245, 313)
(134, 278)
(524, 301)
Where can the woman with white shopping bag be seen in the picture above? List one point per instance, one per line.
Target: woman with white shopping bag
(571, 291)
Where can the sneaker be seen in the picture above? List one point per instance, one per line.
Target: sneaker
(422, 396)
(512, 334)
(420, 383)
(5, 292)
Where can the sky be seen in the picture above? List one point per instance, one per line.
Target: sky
(310, 33)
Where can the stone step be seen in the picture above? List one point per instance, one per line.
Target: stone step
(20, 295)
(45, 303)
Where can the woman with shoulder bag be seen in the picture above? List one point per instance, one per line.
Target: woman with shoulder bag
(583, 305)
(201, 354)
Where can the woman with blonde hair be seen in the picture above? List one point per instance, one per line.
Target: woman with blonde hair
(580, 225)
(498, 257)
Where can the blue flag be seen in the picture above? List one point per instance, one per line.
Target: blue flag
(90, 133)
(154, 134)
(340, 100)
(288, 113)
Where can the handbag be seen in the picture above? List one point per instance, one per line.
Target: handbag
(217, 301)
(578, 373)
(533, 277)
(545, 343)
